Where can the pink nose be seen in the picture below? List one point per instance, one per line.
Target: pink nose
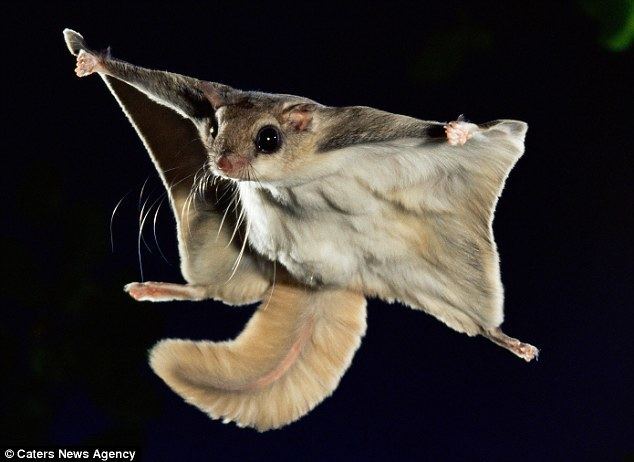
(224, 164)
(231, 164)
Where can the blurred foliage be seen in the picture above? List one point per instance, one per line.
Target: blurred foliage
(447, 49)
(616, 21)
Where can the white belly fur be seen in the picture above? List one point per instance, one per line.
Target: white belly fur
(328, 242)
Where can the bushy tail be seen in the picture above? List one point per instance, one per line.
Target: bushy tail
(290, 357)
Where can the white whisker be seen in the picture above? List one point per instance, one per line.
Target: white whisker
(158, 246)
(237, 226)
(116, 207)
(224, 216)
(143, 189)
(188, 201)
(239, 259)
(272, 285)
(141, 221)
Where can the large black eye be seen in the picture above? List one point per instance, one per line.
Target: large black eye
(268, 140)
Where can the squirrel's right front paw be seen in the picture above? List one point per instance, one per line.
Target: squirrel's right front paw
(458, 132)
(87, 64)
(164, 291)
(145, 291)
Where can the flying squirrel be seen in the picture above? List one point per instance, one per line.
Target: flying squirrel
(336, 204)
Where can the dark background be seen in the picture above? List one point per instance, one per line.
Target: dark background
(74, 345)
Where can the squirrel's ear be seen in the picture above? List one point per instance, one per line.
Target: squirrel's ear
(299, 116)
(218, 94)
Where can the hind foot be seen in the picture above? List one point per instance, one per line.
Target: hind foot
(164, 291)
(524, 350)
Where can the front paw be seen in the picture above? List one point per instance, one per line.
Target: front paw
(458, 132)
(145, 291)
(87, 64)
(164, 291)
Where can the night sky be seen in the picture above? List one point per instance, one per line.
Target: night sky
(74, 345)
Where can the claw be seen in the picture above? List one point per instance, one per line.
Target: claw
(86, 64)
(524, 350)
(458, 132)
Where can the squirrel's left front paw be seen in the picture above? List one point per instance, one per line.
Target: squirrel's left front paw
(87, 64)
